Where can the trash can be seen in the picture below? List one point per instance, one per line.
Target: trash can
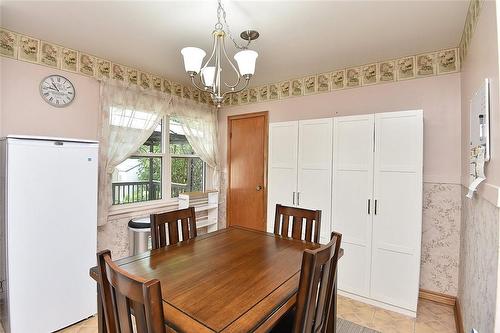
(139, 235)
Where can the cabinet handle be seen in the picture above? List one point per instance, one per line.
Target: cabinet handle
(375, 206)
(369, 200)
(293, 198)
(298, 198)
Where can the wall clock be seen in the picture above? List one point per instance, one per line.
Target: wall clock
(57, 90)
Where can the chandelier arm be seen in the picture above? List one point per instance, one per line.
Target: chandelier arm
(211, 55)
(247, 81)
(205, 89)
(232, 65)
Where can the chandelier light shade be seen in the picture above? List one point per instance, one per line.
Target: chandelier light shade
(207, 77)
(246, 61)
(193, 58)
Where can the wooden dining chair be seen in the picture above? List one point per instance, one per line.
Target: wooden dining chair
(297, 215)
(124, 295)
(314, 310)
(167, 224)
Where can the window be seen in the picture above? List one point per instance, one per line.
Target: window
(144, 176)
(187, 172)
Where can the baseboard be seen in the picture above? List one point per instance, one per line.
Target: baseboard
(458, 317)
(446, 300)
(437, 297)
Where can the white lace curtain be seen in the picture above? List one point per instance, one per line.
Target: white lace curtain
(130, 114)
(200, 128)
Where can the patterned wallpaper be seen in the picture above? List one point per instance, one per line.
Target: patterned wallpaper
(30, 49)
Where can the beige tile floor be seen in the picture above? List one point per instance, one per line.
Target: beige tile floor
(431, 318)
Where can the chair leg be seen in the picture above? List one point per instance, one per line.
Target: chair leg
(101, 322)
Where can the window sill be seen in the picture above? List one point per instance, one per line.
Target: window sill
(131, 211)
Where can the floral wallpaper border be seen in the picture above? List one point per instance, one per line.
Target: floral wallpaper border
(404, 68)
(470, 25)
(33, 50)
(30, 49)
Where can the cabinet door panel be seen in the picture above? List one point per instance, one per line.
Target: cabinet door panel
(315, 170)
(352, 190)
(282, 171)
(397, 225)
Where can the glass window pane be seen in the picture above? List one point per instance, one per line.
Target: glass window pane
(137, 179)
(187, 175)
(154, 143)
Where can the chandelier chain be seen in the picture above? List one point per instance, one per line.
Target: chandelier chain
(219, 25)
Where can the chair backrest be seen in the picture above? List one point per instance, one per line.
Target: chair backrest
(317, 288)
(312, 223)
(123, 294)
(167, 224)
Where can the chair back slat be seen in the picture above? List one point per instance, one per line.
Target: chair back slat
(317, 287)
(296, 228)
(309, 229)
(140, 317)
(122, 313)
(167, 224)
(185, 226)
(124, 295)
(312, 223)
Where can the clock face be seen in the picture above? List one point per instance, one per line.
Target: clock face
(57, 90)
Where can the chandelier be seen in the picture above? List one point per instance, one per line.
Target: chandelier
(210, 78)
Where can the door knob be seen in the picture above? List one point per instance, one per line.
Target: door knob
(258, 188)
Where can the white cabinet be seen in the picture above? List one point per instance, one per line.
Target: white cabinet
(377, 206)
(300, 168)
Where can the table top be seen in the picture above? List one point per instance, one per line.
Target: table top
(231, 280)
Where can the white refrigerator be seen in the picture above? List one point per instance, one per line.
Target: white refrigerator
(48, 231)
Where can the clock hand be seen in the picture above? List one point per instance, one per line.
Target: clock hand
(55, 86)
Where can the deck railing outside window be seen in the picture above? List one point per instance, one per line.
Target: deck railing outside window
(130, 192)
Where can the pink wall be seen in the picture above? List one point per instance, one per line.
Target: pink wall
(482, 62)
(24, 112)
(438, 96)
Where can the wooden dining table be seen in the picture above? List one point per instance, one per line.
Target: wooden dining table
(231, 280)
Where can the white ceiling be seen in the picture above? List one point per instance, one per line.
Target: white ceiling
(297, 37)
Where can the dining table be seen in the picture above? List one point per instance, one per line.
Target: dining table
(231, 280)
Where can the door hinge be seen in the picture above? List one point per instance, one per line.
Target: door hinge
(1, 285)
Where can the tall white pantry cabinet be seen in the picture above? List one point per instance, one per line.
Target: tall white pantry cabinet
(369, 168)
(300, 168)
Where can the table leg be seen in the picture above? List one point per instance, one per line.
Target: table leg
(101, 322)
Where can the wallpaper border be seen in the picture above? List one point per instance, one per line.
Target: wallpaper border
(30, 49)
(421, 65)
(471, 20)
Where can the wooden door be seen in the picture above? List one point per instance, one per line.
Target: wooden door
(314, 170)
(282, 179)
(352, 204)
(247, 162)
(397, 219)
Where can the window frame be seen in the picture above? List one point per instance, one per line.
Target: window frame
(166, 181)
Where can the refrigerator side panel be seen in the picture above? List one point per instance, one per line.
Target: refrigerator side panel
(52, 227)
(4, 310)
